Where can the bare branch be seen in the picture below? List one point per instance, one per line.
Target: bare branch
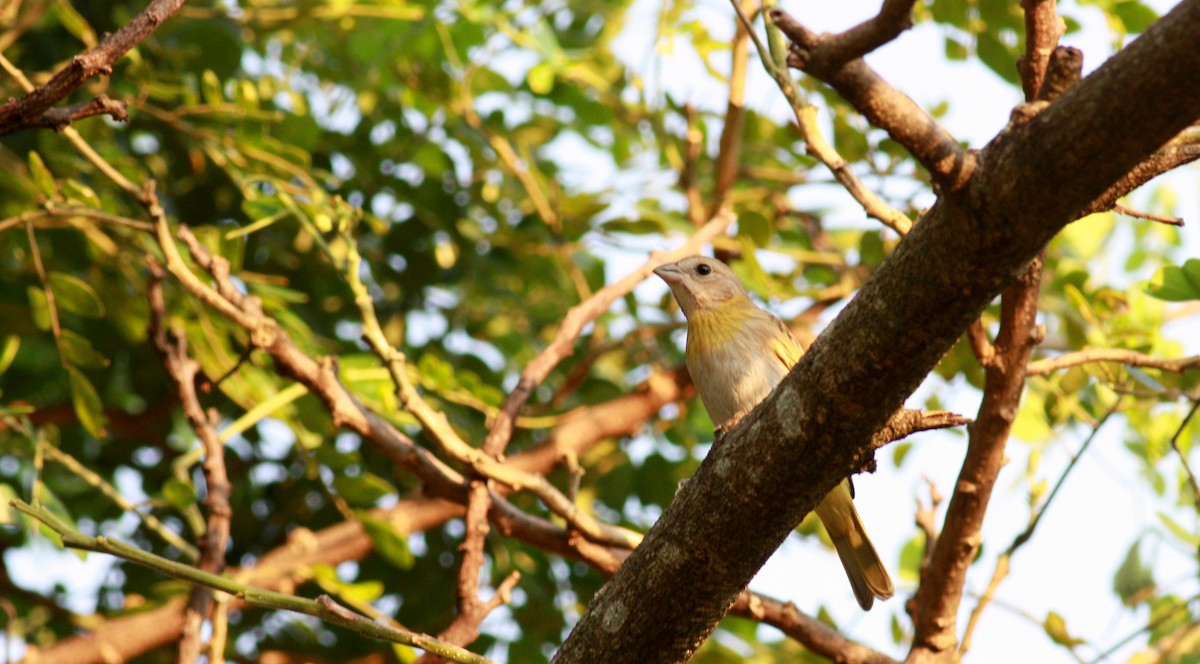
(1126, 357)
(1183, 459)
(471, 610)
(935, 605)
(1183, 150)
(183, 370)
(814, 142)
(58, 118)
(730, 147)
(1162, 219)
(30, 111)
(809, 631)
(1043, 29)
(837, 61)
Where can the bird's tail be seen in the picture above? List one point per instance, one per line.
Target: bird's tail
(866, 572)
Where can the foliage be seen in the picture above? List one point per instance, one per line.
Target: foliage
(494, 164)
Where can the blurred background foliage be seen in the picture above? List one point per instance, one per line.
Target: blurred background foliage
(497, 163)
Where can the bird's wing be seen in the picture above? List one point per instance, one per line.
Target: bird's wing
(785, 345)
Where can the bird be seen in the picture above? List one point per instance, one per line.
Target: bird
(737, 353)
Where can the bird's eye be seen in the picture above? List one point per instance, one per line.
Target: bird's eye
(704, 269)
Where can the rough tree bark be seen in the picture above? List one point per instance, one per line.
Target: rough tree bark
(756, 485)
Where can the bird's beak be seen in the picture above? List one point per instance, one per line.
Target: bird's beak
(671, 274)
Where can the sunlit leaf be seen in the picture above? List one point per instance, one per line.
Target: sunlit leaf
(1056, 629)
(1177, 283)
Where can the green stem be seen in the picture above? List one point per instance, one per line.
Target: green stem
(324, 607)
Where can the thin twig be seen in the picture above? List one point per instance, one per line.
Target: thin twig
(438, 426)
(323, 608)
(1182, 455)
(186, 550)
(837, 60)
(51, 304)
(1126, 357)
(1137, 214)
(814, 141)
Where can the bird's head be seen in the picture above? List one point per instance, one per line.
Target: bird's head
(701, 284)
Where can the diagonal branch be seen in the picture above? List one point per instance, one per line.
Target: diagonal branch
(837, 60)
(322, 380)
(472, 610)
(323, 607)
(814, 141)
(34, 109)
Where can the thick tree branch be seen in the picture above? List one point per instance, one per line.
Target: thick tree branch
(34, 109)
(1047, 72)
(935, 606)
(816, 427)
(837, 61)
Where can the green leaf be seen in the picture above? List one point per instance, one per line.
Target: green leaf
(78, 351)
(1191, 539)
(81, 193)
(179, 493)
(898, 633)
(1135, 16)
(363, 592)
(752, 223)
(1056, 629)
(75, 295)
(996, 55)
(87, 404)
(1177, 283)
(41, 175)
(75, 23)
(1145, 379)
(911, 556)
(362, 490)
(8, 351)
(541, 78)
(389, 543)
(1133, 577)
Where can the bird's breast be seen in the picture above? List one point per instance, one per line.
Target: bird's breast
(732, 363)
